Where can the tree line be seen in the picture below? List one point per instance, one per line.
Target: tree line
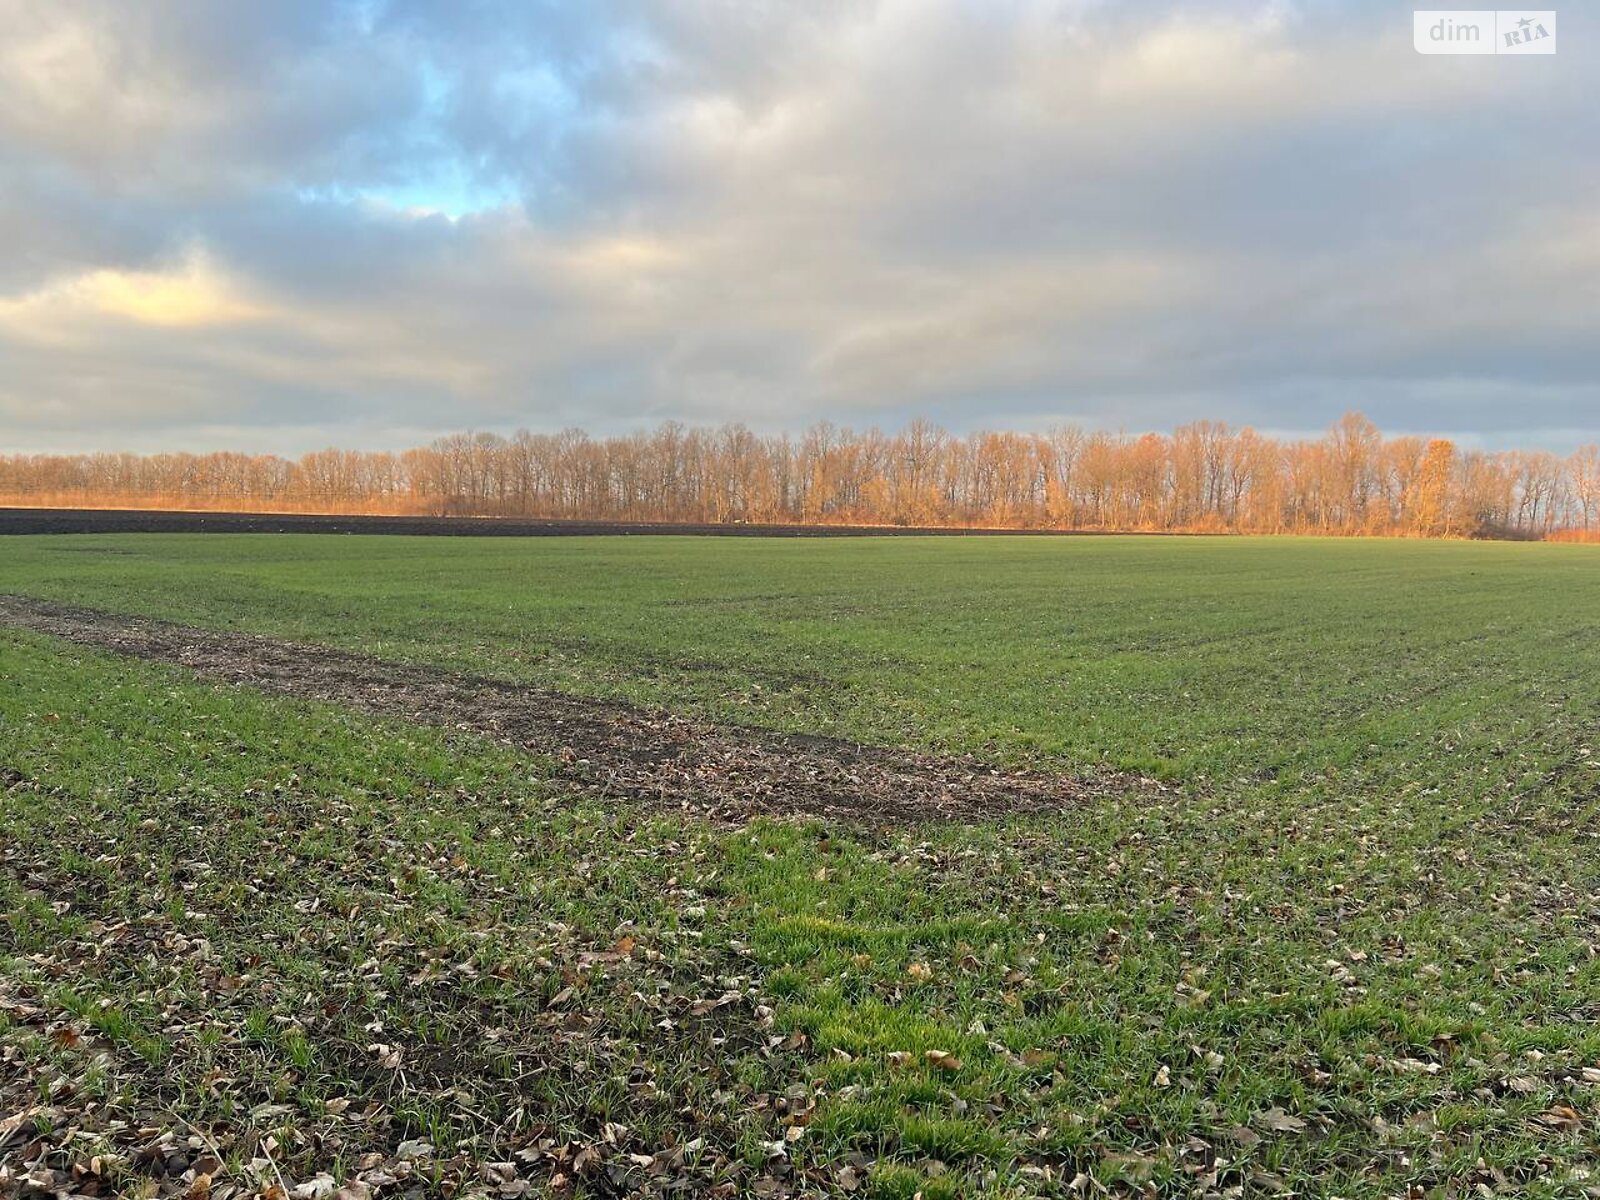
(1203, 477)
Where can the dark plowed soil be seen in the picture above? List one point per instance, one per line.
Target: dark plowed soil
(88, 520)
(618, 749)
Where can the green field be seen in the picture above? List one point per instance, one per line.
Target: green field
(1353, 951)
(1195, 658)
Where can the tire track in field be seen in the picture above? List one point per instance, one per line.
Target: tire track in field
(619, 749)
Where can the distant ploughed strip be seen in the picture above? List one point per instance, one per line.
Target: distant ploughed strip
(618, 748)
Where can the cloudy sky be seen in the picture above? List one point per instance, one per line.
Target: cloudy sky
(279, 226)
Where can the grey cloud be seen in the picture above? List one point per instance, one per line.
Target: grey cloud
(1130, 215)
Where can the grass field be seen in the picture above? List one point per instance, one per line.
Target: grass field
(1194, 658)
(1352, 951)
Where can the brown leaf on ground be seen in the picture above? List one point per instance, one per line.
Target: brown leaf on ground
(1278, 1121)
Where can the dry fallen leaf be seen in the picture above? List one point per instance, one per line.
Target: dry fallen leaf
(1279, 1121)
(1561, 1117)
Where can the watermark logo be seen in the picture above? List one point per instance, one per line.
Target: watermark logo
(1484, 31)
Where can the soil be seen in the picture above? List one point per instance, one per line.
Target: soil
(90, 520)
(618, 749)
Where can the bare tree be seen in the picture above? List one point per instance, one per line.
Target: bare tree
(1204, 477)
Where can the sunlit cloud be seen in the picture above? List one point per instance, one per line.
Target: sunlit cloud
(195, 295)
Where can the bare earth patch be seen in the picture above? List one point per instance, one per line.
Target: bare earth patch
(624, 750)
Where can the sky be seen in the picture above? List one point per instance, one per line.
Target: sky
(277, 227)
